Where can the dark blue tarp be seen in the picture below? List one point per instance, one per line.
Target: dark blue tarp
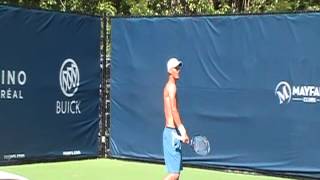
(49, 85)
(249, 83)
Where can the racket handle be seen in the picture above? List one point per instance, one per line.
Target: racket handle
(180, 138)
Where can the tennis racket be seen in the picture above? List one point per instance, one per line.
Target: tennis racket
(199, 144)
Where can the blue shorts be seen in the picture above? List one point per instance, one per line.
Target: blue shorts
(172, 150)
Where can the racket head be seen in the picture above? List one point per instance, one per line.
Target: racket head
(200, 145)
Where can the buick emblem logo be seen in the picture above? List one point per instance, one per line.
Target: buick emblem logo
(69, 77)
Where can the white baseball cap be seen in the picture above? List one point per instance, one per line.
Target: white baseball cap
(172, 63)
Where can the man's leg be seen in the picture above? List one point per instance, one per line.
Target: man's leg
(175, 176)
(172, 154)
(172, 176)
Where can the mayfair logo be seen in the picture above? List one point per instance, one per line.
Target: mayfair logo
(287, 93)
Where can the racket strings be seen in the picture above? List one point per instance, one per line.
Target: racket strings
(201, 145)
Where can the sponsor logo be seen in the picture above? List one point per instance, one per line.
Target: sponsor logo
(13, 156)
(287, 93)
(11, 83)
(71, 153)
(69, 80)
(68, 107)
(69, 77)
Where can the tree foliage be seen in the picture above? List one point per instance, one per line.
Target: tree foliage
(168, 7)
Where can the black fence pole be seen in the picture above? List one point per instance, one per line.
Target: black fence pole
(103, 87)
(108, 81)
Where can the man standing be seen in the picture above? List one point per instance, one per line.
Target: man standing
(174, 131)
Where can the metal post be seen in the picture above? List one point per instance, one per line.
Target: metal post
(108, 85)
(103, 87)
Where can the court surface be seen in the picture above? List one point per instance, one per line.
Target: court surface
(108, 169)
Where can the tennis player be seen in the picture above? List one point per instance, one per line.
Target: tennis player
(174, 131)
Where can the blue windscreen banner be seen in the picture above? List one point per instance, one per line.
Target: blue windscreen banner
(49, 85)
(249, 83)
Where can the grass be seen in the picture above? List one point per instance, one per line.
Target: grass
(108, 169)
